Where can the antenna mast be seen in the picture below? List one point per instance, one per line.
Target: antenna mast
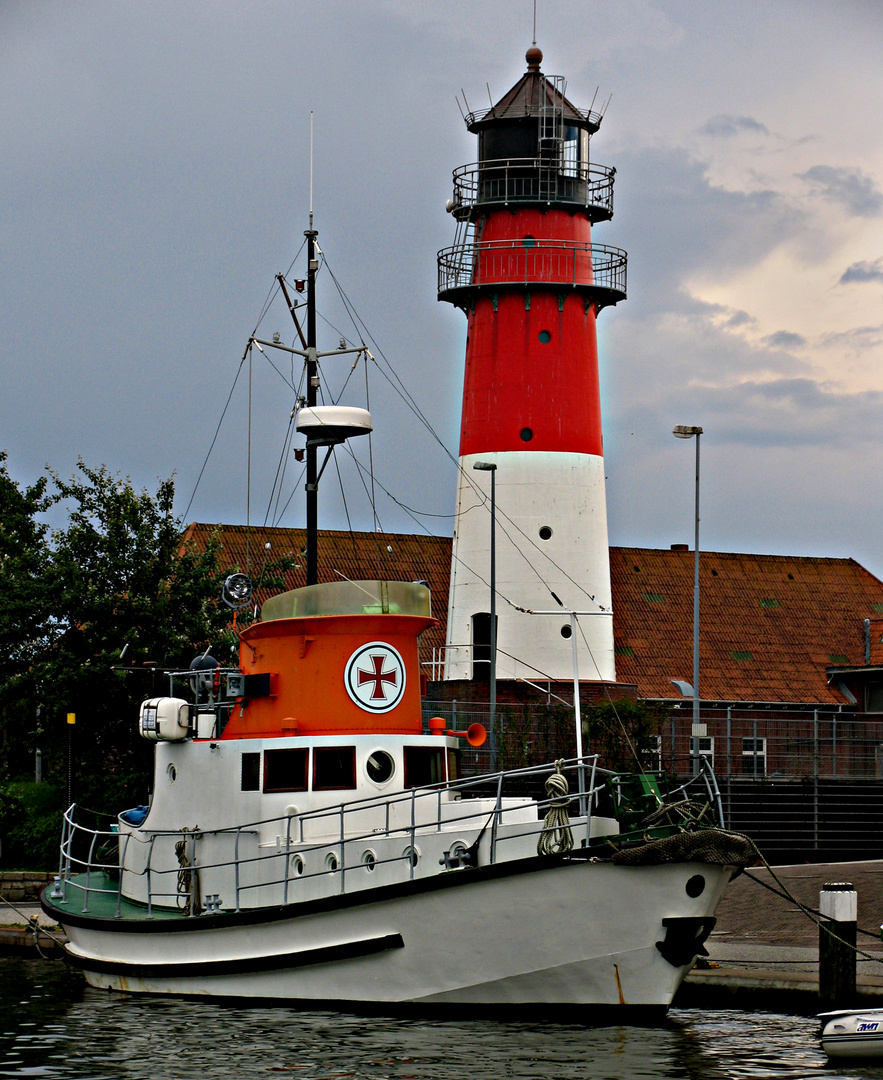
(312, 483)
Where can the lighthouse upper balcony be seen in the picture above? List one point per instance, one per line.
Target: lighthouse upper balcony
(486, 185)
(469, 269)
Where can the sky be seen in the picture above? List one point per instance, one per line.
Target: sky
(155, 165)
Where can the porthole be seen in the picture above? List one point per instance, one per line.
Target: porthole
(545, 533)
(369, 860)
(297, 865)
(380, 766)
(412, 854)
(545, 337)
(695, 885)
(526, 434)
(172, 773)
(567, 630)
(331, 862)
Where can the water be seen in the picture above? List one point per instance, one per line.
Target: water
(52, 1025)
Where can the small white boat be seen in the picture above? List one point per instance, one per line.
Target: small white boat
(852, 1033)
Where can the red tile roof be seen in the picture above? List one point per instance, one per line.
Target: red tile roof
(358, 555)
(770, 624)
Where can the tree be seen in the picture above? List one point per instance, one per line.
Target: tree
(94, 612)
(130, 602)
(26, 624)
(623, 732)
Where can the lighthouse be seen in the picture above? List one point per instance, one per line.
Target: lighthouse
(531, 283)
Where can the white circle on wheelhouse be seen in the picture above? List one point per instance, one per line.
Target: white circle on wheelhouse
(374, 677)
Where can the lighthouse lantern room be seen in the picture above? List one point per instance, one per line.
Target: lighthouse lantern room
(531, 283)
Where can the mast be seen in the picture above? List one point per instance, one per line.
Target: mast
(312, 483)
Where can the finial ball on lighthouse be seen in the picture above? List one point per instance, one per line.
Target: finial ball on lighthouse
(534, 58)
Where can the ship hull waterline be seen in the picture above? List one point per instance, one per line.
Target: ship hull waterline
(569, 934)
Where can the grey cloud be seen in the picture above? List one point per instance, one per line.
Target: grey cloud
(857, 339)
(863, 271)
(681, 225)
(784, 339)
(739, 318)
(850, 188)
(725, 127)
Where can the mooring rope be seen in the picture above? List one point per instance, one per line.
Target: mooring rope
(188, 876)
(556, 836)
(36, 929)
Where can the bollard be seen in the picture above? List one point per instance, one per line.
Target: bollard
(838, 905)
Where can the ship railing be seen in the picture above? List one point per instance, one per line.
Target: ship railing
(84, 868)
(534, 180)
(530, 262)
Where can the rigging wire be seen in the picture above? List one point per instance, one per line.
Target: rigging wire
(396, 382)
(217, 432)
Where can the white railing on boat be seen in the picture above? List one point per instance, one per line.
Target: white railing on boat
(482, 809)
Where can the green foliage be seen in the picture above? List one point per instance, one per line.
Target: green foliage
(530, 733)
(115, 577)
(623, 732)
(30, 825)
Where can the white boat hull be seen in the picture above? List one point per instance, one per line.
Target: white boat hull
(856, 1034)
(572, 932)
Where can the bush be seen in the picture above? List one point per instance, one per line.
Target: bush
(30, 825)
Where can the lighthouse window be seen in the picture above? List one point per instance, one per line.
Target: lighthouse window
(529, 241)
(545, 337)
(526, 434)
(545, 533)
(334, 768)
(285, 770)
(567, 630)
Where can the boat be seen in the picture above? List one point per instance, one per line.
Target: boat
(312, 839)
(854, 1033)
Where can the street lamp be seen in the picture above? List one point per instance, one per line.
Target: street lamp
(489, 466)
(683, 431)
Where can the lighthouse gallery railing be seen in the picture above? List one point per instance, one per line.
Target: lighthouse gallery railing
(533, 262)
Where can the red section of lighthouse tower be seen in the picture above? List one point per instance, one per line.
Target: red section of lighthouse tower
(531, 380)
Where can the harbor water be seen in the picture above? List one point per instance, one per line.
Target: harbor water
(53, 1025)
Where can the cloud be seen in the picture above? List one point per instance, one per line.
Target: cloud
(857, 339)
(784, 339)
(739, 318)
(850, 188)
(863, 271)
(723, 126)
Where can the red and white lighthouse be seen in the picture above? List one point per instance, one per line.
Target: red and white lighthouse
(525, 272)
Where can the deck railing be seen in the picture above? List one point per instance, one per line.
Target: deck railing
(86, 867)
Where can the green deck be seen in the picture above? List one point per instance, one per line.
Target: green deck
(96, 895)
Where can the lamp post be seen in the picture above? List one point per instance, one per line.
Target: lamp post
(683, 431)
(488, 466)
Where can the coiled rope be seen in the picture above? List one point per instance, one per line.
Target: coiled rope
(188, 877)
(556, 836)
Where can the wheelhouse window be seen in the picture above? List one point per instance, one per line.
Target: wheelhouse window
(285, 770)
(334, 768)
(424, 765)
(251, 772)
